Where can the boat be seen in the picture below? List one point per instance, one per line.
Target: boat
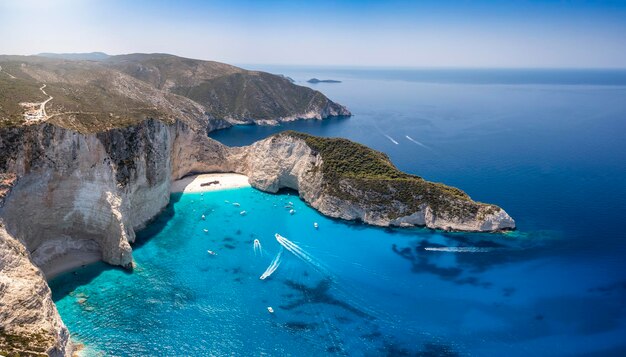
(203, 217)
(211, 252)
(315, 225)
(292, 211)
(236, 204)
(270, 309)
(243, 213)
(206, 230)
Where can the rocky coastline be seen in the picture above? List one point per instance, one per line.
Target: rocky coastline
(65, 191)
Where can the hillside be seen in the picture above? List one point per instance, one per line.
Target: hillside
(92, 96)
(228, 92)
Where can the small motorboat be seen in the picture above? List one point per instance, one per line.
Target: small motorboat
(270, 309)
(243, 213)
(211, 252)
(236, 204)
(315, 225)
(292, 211)
(205, 230)
(203, 217)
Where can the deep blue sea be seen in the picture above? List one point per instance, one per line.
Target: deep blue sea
(547, 145)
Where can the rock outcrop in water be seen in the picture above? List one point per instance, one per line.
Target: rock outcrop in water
(346, 180)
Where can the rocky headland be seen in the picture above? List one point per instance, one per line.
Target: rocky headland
(80, 182)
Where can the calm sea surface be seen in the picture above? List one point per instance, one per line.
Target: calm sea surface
(548, 146)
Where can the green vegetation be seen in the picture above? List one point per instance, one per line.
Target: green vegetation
(119, 91)
(253, 95)
(87, 97)
(14, 91)
(13, 345)
(378, 181)
(226, 91)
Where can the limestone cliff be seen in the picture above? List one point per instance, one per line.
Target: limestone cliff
(63, 193)
(29, 322)
(346, 180)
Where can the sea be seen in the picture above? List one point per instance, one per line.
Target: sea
(549, 146)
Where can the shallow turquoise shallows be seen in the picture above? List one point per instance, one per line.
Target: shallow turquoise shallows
(548, 146)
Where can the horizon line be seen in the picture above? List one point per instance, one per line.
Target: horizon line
(350, 66)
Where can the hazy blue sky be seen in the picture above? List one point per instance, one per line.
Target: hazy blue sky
(368, 33)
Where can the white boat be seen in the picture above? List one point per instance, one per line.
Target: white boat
(203, 217)
(292, 211)
(206, 230)
(270, 309)
(211, 252)
(315, 225)
(243, 213)
(236, 204)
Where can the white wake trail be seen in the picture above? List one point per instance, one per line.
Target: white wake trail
(257, 247)
(417, 142)
(300, 253)
(459, 249)
(273, 265)
(390, 138)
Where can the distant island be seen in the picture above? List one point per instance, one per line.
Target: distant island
(315, 80)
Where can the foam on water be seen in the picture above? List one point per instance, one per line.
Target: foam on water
(273, 266)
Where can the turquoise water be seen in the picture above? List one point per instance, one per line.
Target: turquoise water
(356, 290)
(546, 146)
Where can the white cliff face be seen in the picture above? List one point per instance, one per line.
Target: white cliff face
(26, 307)
(285, 161)
(85, 193)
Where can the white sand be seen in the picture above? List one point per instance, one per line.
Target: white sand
(226, 181)
(68, 262)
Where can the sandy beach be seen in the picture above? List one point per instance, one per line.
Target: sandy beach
(225, 181)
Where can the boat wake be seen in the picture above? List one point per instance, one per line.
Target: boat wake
(300, 253)
(417, 142)
(273, 265)
(459, 249)
(391, 139)
(257, 247)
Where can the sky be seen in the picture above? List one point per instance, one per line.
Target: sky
(521, 33)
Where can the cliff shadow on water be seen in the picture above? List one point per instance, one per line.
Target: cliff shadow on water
(158, 223)
(65, 284)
